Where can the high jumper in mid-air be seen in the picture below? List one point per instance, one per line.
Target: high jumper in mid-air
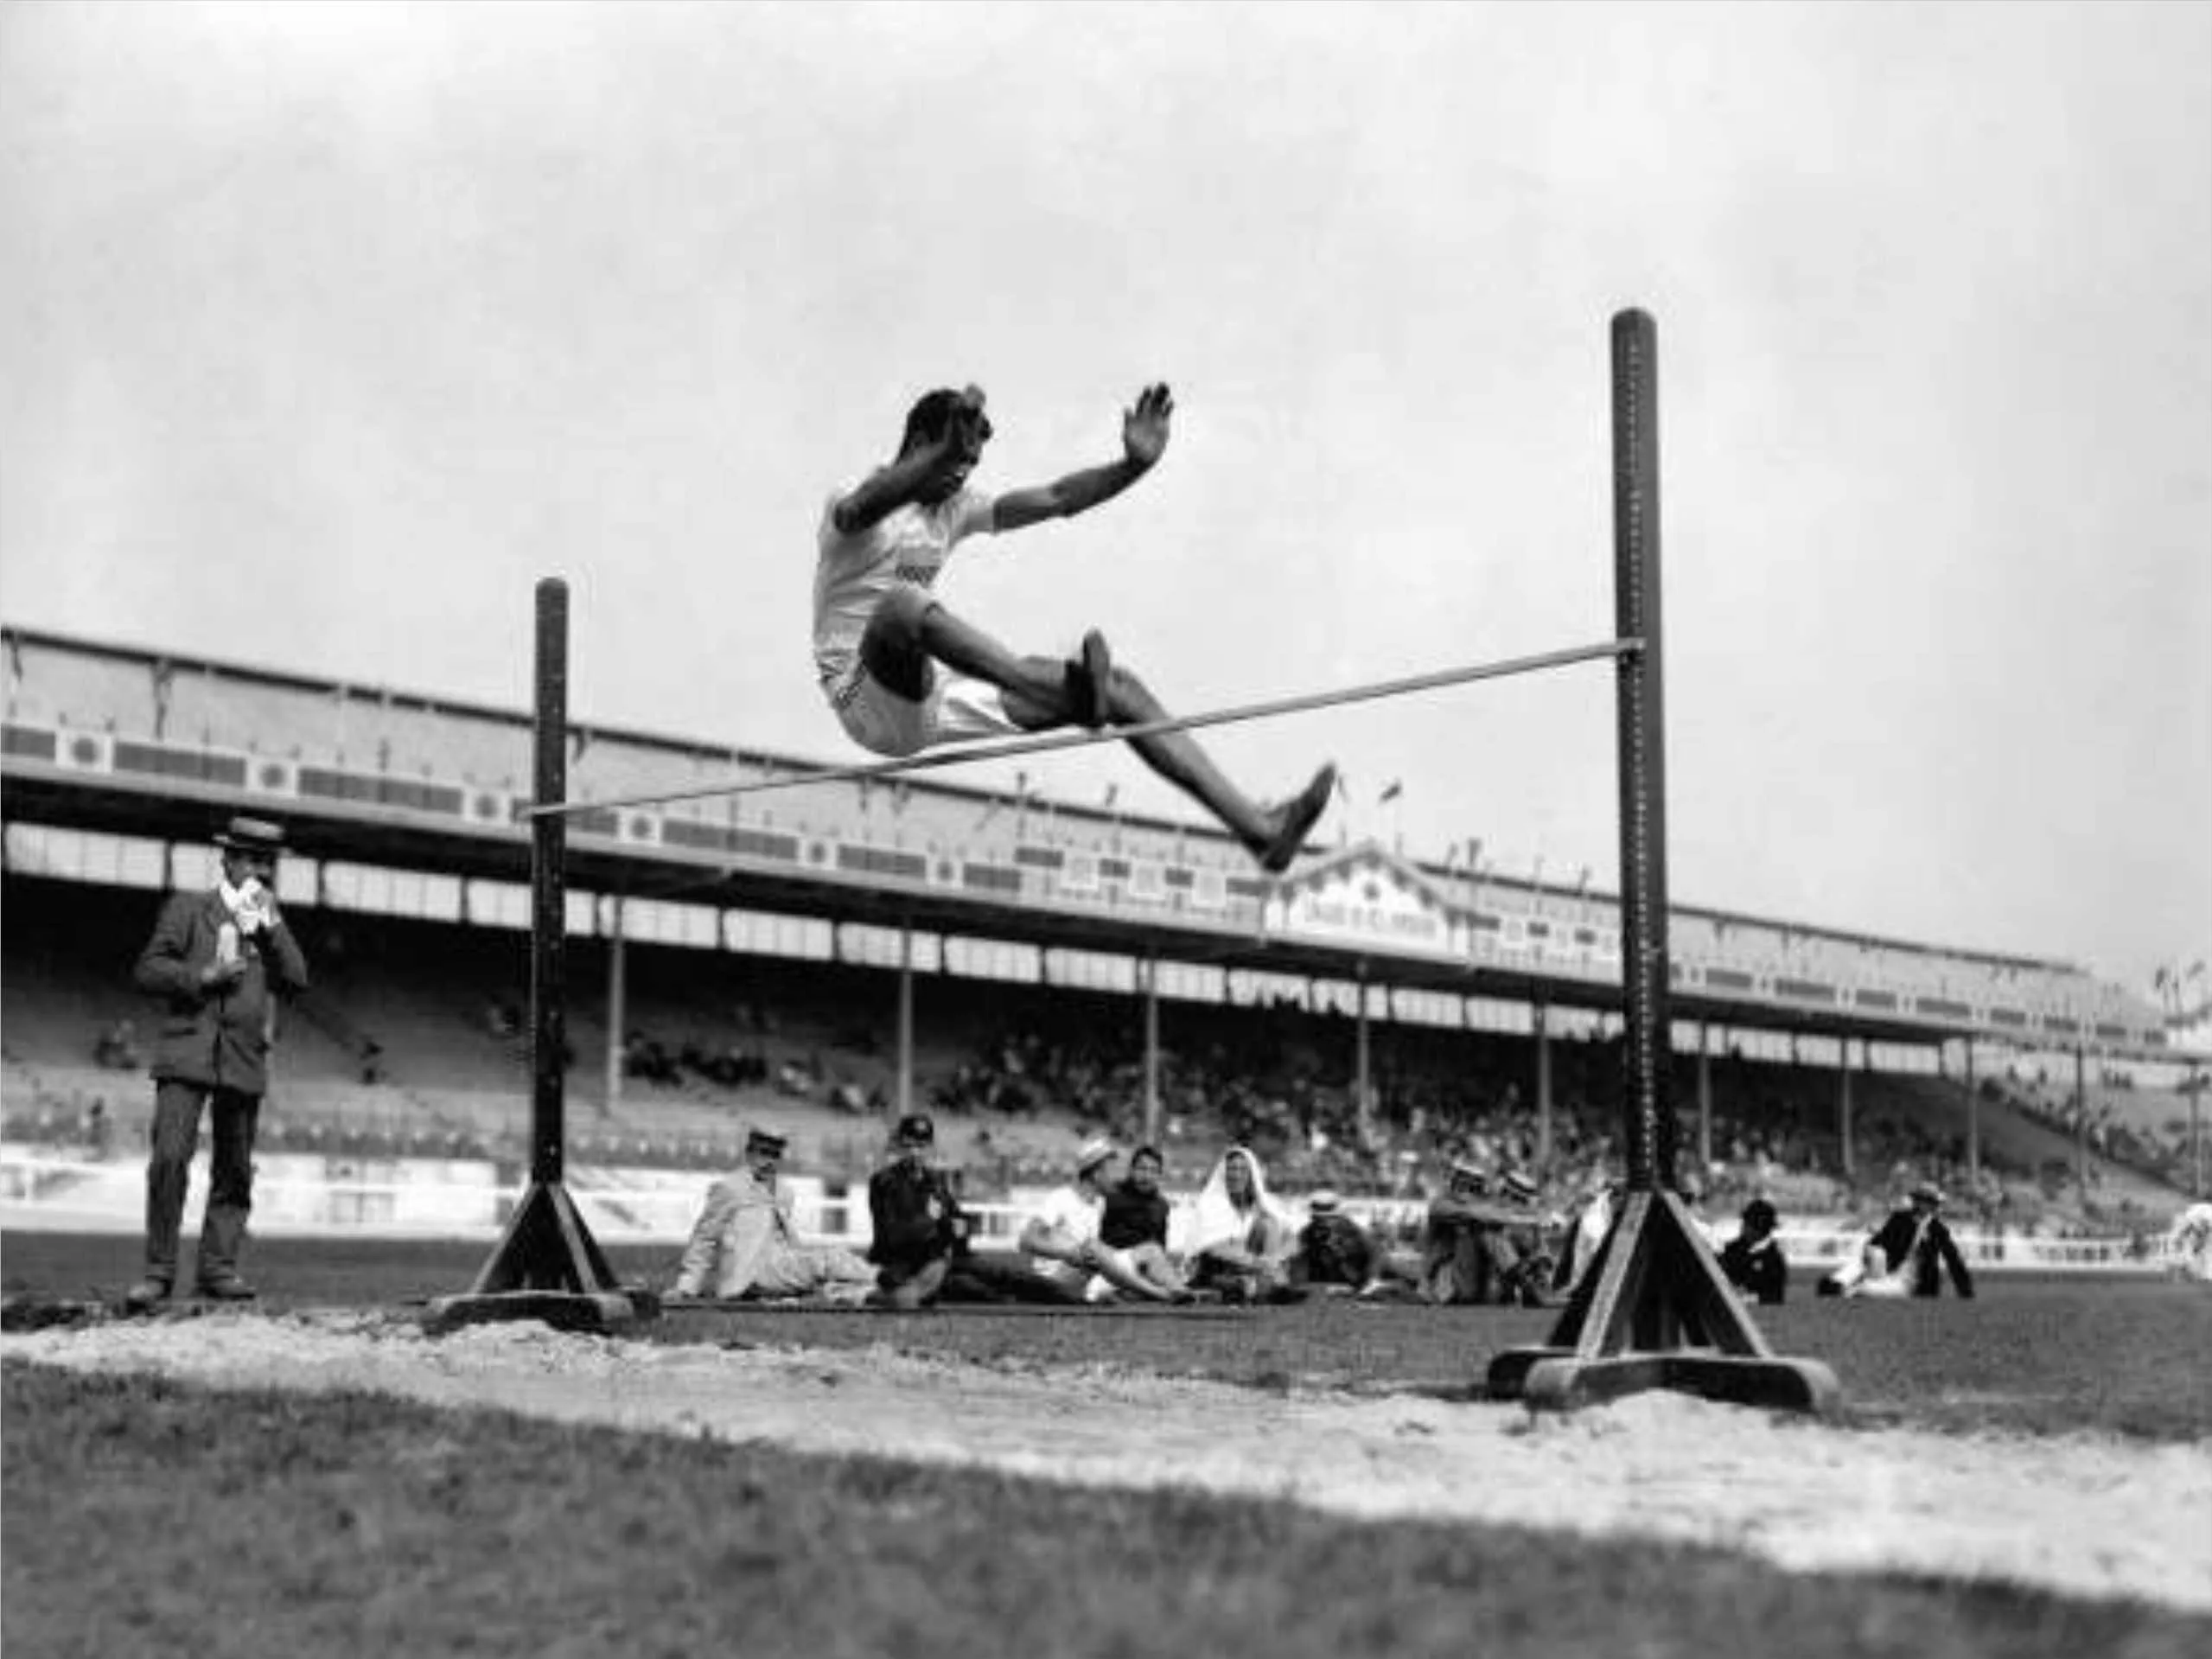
(904, 674)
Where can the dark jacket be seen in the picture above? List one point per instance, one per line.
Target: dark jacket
(220, 1036)
(1131, 1218)
(914, 1218)
(1336, 1251)
(1934, 1248)
(1756, 1268)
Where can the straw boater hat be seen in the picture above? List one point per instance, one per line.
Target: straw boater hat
(251, 835)
(915, 1130)
(765, 1140)
(1520, 1184)
(1927, 1191)
(1096, 1150)
(1473, 1174)
(1323, 1202)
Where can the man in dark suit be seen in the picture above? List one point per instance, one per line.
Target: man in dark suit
(1913, 1247)
(218, 960)
(1753, 1258)
(919, 1228)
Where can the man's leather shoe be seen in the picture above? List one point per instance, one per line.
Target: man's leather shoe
(226, 1290)
(146, 1295)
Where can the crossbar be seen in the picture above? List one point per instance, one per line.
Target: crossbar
(972, 753)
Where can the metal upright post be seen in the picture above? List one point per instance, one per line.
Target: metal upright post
(547, 1266)
(1654, 1310)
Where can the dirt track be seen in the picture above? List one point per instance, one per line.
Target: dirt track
(2096, 1518)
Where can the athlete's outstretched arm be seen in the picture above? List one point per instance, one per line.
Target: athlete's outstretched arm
(1143, 440)
(888, 488)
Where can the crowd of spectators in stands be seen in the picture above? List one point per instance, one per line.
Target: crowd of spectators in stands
(1279, 1080)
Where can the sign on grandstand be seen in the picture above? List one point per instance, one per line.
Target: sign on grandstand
(1365, 895)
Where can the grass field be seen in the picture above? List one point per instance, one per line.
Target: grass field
(141, 1515)
(2036, 1354)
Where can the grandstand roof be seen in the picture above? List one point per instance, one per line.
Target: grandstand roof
(66, 759)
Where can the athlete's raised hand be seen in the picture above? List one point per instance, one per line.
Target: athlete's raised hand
(1144, 428)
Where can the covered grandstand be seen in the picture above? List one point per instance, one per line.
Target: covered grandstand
(1036, 969)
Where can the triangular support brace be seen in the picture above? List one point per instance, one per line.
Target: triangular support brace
(548, 1267)
(1655, 1311)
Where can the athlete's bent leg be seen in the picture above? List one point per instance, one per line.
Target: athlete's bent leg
(909, 629)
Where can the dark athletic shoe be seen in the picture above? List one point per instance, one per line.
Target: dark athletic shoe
(1295, 819)
(1090, 682)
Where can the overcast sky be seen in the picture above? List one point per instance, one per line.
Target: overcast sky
(328, 329)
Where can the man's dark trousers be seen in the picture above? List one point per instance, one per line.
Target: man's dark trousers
(230, 1186)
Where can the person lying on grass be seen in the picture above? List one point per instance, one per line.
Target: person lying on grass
(743, 1243)
(1243, 1241)
(1062, 1241)
(1909, 1254)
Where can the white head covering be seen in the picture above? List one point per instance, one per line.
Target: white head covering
(1217, 1220)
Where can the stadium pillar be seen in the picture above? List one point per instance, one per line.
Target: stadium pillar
(1152, 1047)
(1973, 1116)
(1705, 1095)
(1843, 1105)
(2196, 1139)
(1654, 1310)
(1541, 1025)
(547, 1266)
(2081, 1120)
(905, 1085)
(617, 995)
(1363, 1100)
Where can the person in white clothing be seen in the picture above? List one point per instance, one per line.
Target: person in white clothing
(2188, 1250)
(1242, 1239)
(744, 1244)
(904, 674)
(1062, 1239)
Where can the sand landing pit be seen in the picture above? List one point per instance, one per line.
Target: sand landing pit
(2086, 1516)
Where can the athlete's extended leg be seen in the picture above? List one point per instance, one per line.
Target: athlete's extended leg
(911, 628)
(1273, 834)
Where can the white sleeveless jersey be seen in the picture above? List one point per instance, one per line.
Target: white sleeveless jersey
(853, 572)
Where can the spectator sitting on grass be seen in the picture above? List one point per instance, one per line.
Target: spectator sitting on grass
(2187, 1249)
(1062, 1238)
(1524, 1253)
(744, 1244)
(1242, 1241)
(923, 1237)
(1470, 1254)
(1588, 1235)
(1908, 1255)
(1135, 1219)
(1334, 1250)
(919, 1229)
(1753, 1258)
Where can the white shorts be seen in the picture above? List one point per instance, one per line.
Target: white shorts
(958, 708)
(1096, 1288)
